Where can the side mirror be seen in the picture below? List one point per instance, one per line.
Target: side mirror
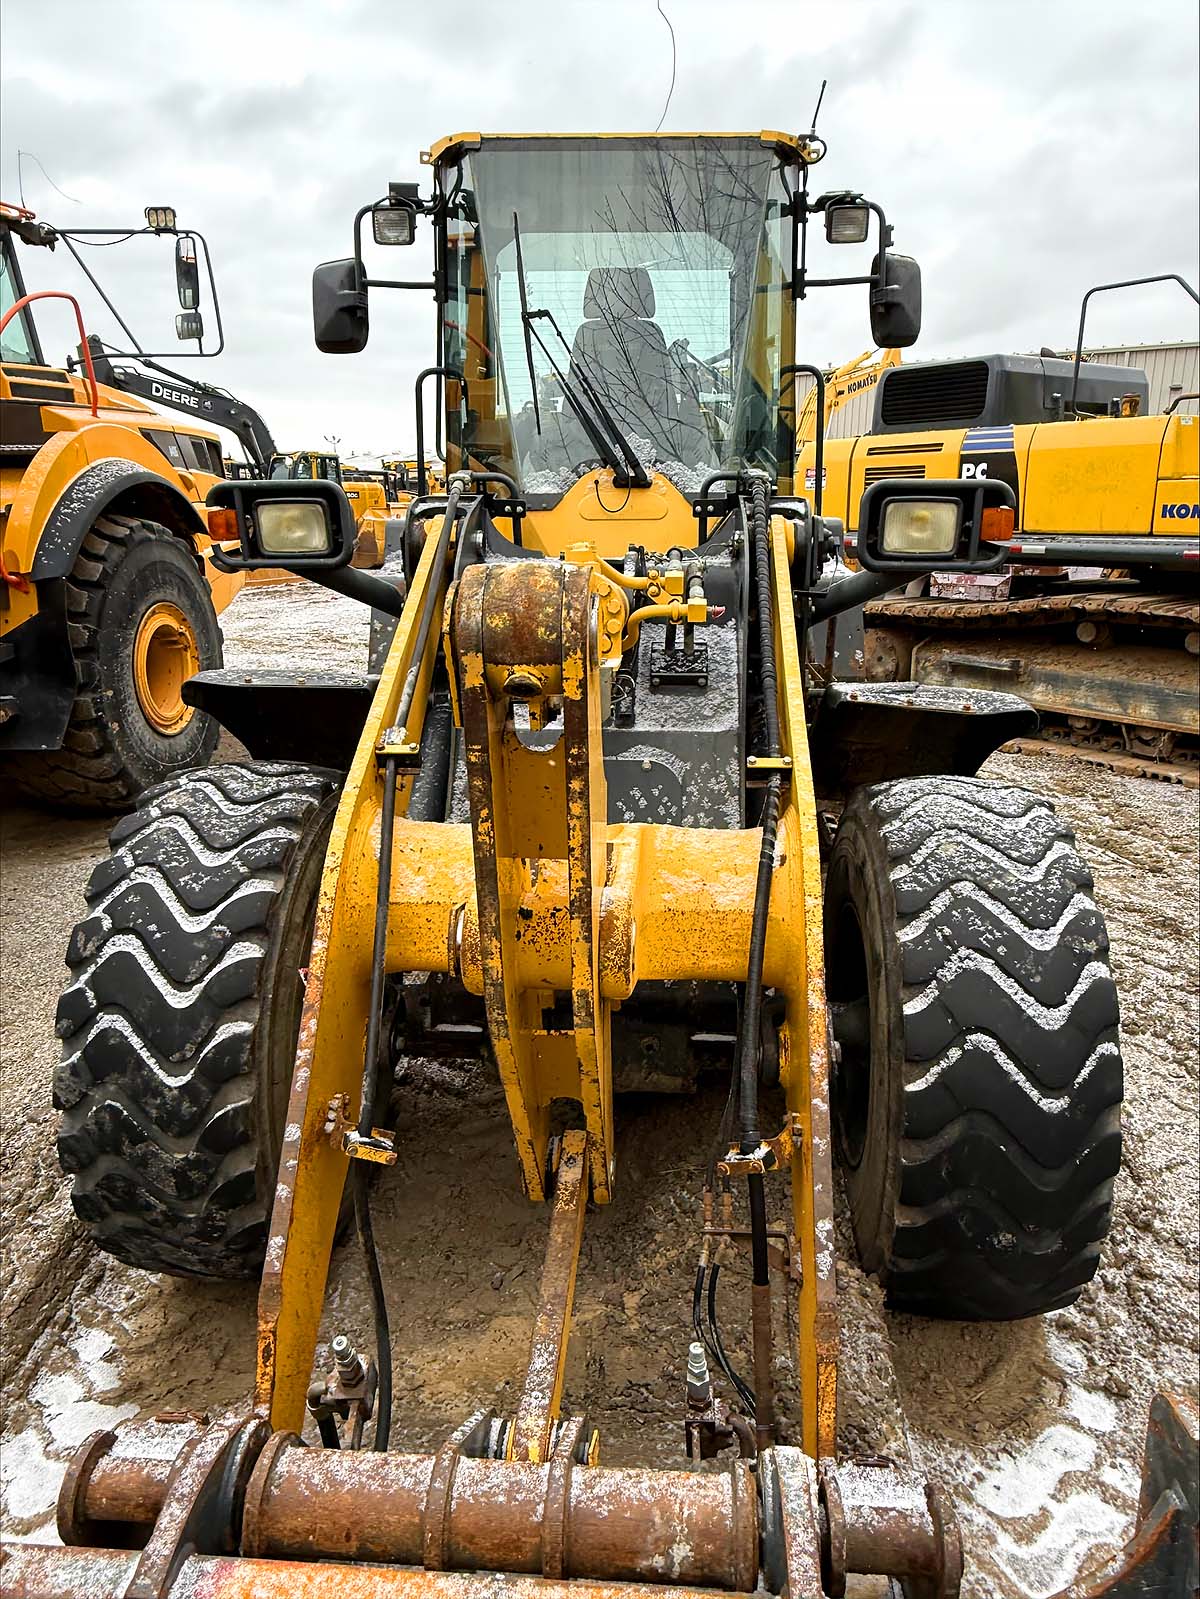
(187, 275)
(340, 323)
(895, 301)
(189, 325)
(281, 523)
(935, 525)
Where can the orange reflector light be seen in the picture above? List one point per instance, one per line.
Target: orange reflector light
(997, 523)
(223, 525)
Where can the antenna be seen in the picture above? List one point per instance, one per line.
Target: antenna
(817, 109)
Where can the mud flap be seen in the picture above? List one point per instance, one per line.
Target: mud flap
(317, 718)
(877, 732)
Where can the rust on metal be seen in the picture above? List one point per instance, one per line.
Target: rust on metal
(537, 1409)
(456, 1512)
(32, 1571)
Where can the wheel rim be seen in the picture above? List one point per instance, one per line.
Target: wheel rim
(165, 655)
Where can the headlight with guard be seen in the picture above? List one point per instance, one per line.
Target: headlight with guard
(294, 527)
(920, 527)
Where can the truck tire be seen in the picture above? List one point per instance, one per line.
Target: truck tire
(141, 621)
(976, 1103)
(180, 1020)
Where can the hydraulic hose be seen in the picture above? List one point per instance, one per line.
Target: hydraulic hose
(360, 1177)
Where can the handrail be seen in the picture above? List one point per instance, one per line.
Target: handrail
(59, 294)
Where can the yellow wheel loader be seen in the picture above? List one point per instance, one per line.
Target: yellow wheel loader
(108, 592)
(585, 805)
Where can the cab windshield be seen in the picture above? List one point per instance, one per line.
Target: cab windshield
(617, 292)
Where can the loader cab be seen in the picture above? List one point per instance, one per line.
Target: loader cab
(600, 286)
(307, 465)
(617, 316)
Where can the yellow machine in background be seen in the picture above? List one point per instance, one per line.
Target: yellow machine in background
(842, 384)
(108, 593)
(375, 497)
(1096, 620)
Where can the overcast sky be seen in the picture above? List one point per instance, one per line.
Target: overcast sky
(1023, 149)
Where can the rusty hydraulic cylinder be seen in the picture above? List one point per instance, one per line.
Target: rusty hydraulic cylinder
(608, 1523)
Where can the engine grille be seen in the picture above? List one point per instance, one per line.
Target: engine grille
(930, 396)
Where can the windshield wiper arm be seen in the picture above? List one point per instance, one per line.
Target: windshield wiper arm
(602, 446)
(523, 292)
(632, 473)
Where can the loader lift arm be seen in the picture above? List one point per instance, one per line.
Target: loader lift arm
(204, 402)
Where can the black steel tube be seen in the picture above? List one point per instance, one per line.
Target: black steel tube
(387, 828)
(818, 378)
(760, 1314)
(428, 609)
(750, 1133)
(1103, 288)
(858, 589)
(367, 587)
(429, 372)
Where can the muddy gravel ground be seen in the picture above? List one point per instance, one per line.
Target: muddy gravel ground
(1036, 1427)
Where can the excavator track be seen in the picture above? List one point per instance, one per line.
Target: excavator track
(1113, 671)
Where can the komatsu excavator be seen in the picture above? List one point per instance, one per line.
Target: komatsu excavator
(582, 807)
(1096, 619)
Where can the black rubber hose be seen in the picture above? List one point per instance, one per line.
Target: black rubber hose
(744, 1391)
(360, 1176)
(330, 1437)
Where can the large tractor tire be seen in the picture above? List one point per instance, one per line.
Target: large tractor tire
(141, 623)
(180, 1020)
(976, 1094)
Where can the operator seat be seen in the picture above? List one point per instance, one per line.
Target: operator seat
(621, 350)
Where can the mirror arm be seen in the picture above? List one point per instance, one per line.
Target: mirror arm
(369, 588)
(854, 591)
(801, 282)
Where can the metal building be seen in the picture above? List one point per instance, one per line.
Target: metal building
(1172, 369)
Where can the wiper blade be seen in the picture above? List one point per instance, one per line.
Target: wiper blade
(524, 293)
(602, 446)
(630, 474)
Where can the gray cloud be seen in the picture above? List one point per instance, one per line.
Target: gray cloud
(1023, 151)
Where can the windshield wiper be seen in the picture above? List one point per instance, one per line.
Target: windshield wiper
(631, 473)
(523, 292)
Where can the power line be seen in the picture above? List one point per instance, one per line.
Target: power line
(671, 90)
(45, 174)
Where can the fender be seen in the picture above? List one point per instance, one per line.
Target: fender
(90, 494)
(874, 732)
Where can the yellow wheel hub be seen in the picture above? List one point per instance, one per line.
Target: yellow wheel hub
(165, 655)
